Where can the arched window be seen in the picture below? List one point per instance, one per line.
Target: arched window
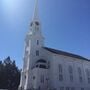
(41, 64)
(41, 61)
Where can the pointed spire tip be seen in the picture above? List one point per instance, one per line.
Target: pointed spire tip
(35, 16)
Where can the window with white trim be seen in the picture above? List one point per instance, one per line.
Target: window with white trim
(37, 52)
(60, 72)
(70, 69)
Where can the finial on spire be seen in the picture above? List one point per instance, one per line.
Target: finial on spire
(35, 16)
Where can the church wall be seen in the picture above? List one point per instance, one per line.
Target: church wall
(66, 62)
(86, 65)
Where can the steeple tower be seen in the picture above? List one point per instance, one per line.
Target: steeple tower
(35, 25)
(33, 43)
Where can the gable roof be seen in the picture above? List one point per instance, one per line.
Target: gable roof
(65, 53)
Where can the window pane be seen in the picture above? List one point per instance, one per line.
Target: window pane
(88, 80)
(71, 78)
(37, 53)
(42, 78)
(60, 68)
(37, 42)
(70, 69)
(60, 77)
(88, 72)
(80, 78)
(33, 77)
(79, 70)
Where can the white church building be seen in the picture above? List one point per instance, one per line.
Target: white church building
(45, 68)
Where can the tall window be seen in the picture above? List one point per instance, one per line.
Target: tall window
(33, 77)
(60, 68)
(60, 77)
(79, 70)
(25, 76)
(88, 79)
(88, 75)
(71, 78)
(80, 74)
(37, 53)
(70, 69)
(87, 72)
(37, 42)
(60, 72)
(42, 78)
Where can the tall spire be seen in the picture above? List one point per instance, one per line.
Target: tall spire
(35, 15)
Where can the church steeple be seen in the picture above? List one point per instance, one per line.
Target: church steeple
(34, 42)
(35, 20)
(35, 14)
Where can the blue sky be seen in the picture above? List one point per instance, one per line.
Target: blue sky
(65, 26)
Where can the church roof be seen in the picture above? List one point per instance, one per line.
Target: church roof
(65, 53)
